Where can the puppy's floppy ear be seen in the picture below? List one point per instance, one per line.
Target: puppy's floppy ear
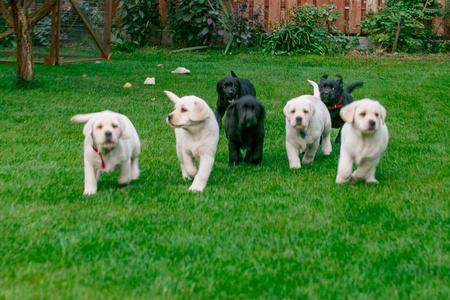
(340, 80)
(219, 86)
(286, 110)
(383, 113)
(88, 128)
(200, 112)
(174, 98)
(123, 128)
(348, 112)
(324, 77)
(262, 113)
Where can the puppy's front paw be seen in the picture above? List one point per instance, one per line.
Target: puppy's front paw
(354, 180)
(135, 174)
(186, 176)
(326, 152)
(295, 166)
(307, 160)
(90, 191)
(372, 181)
(124, 180)
(341, 180)
(196, 188)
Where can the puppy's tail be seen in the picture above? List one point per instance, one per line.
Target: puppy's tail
(233, 74)
(316, 89)
(351, 87)
(82, 118)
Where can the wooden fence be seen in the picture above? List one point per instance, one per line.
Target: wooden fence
(353, 11)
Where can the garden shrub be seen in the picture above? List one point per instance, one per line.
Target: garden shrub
(309, 29)
(382, 25)
(243, 31)
(205, 22)
(137, 21)
(193, 22)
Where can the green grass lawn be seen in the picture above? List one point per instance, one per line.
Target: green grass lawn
(256, 231)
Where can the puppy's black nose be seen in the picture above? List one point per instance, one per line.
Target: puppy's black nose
(108, 133)
(170, 117)
(372, 123)
(299, 119)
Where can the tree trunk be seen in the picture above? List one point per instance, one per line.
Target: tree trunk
(23, 31)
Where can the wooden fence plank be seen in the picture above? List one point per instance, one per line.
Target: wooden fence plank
(291, 3)
(340, 6)
(163, 14)
(354, 16)
(274, 11)
(371, 5)
(322, 2)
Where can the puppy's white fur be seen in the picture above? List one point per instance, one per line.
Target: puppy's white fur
(364, 139)
(197, 136)
(116, 141)
(306, 116)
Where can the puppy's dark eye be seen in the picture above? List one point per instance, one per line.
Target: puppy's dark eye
(183, 109)
(377, 114)
(115, 126)
(363, 114)
(293, 111)
(99, 127)
(305, 111)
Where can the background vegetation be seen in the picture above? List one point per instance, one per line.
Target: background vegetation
(307, 29)
(255, 232)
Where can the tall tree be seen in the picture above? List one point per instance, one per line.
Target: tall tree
(23, 22)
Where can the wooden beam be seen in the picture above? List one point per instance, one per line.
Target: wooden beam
(6, 33)
(91, 32)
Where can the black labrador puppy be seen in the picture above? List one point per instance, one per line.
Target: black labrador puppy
(229, 90)
(244, 128)
(335, 96)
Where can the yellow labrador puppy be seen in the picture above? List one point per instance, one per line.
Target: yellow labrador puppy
(110, 142)
(197, 136)
(364, 139)
(307, 119)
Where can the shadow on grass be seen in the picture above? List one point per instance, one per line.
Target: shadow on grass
(21, 84)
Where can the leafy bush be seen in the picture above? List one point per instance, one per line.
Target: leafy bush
(243, 31)
(138, 21)
(382, 25)
(193, 22)
(206, 21)
(307, 31)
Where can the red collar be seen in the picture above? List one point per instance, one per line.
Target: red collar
(337, 105)
(101, 157)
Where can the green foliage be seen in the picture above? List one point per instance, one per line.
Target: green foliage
(121, 45)
(432, 43)
(193, 22)
(382, 25)
(206, 21)
(242, 31)
(309, 29)
(138, 20)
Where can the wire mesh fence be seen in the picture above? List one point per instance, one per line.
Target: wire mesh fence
(76, 30)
